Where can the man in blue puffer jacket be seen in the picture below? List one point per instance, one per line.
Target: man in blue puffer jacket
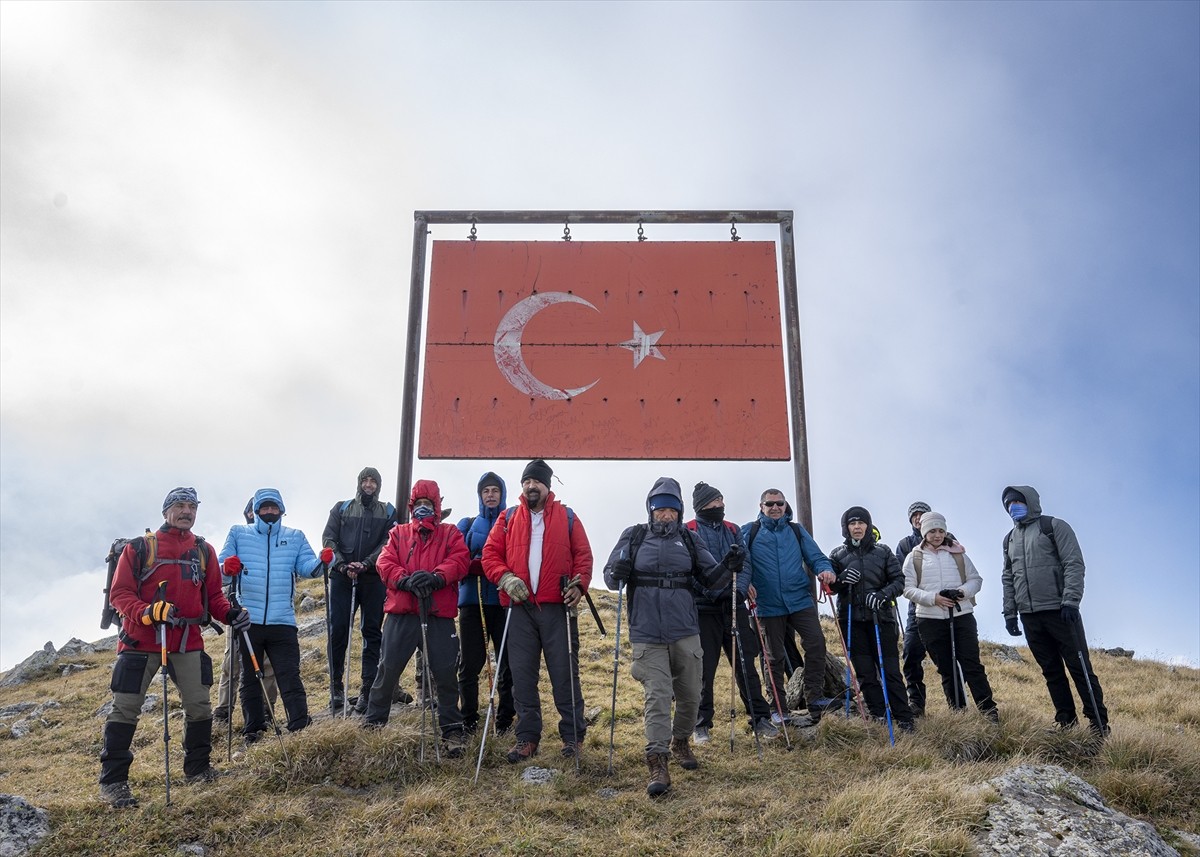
(783, 558)
(265, 558)
(478, 620)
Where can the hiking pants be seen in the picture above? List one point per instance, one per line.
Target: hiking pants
(912, 662)
(134, 671)
(669, 670)
(936, 634)
(368, 600)
(812, 639)
(865, 655)
(474, 642)
(716, 635)
(1055, 642)
(281, 644)
(533, 634)
(401, 640)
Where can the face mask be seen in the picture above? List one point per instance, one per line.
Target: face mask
(1018, 511)
(269, 517)
(713, 516)
(856, 542)
(420, 513)
(662, 528)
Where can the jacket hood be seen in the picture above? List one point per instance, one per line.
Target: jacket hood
(665, 485)
(428, 489)
(1032, 499)
(264, 494)
(484, 511)
(857, 512)
(363, 474)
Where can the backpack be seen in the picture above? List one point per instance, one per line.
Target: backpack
(689, 542)
(959, 560)
(512, 510)
(1046, 525)
(146, 549)
(391, 510)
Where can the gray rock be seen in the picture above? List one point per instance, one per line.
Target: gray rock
(1044, 810)
(537, 776)
(1007, 654)
(308, 604)
(1118, 652)
(592, 714)
(75, 647)
(8, 712)
(31, 716)
(312, 628)
(108, 644)
(195, 849)
(32, 667)
(607, 793)
(71, 669)
(22, 825)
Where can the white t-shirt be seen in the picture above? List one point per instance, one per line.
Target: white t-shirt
(536, 531)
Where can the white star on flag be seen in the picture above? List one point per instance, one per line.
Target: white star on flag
(643, 345)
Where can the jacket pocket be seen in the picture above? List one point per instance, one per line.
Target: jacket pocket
(128, 672)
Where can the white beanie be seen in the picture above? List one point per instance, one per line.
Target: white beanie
(932, 521)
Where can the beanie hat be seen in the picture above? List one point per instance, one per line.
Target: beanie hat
(920, 506)
(1012, 494)
(932, 521)
(665, 501)
(538, 470)
(703, 494)
(180, 495)
(854, 513)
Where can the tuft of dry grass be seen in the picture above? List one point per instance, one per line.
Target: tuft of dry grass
(841, 790)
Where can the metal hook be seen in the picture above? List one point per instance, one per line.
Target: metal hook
(566, 236)
(733, 236)
(641, 232)
(472, 236)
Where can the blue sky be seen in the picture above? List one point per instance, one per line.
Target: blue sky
(205, 234)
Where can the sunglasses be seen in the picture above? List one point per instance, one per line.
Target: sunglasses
(770, 503)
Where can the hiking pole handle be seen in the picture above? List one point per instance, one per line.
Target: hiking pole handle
(595, 613)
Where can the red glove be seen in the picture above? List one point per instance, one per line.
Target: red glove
(327, 555)
(233, 566)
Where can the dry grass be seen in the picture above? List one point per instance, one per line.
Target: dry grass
(841, 791)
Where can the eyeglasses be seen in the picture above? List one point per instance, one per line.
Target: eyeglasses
(769, 503)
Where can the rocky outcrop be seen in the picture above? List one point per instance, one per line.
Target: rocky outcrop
(35, 666)
(1044, 810)
(22, 825)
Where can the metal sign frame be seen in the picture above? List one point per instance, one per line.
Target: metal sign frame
(422, 220)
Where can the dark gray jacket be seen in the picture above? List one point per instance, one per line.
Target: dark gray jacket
(661, 606)
(1037, 576)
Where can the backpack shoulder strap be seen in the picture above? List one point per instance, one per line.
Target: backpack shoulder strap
(918, 560)
(754, 528)
(635, 542)
(691, 525)
(962, 567)
(346, 505)
(1046, 523)
(689, 542)
(732, 527)
(570, 521)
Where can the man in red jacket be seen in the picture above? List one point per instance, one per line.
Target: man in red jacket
(166, 582)
(538, 554)
(420, 566)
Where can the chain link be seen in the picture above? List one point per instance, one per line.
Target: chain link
(641, 232)
(733, 236)
(473, 236)
(566, 236)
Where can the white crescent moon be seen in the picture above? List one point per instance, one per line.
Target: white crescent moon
(507, 345)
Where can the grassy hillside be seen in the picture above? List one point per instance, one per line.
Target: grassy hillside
(841, 791)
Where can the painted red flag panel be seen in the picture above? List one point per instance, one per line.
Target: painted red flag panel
(620, 350)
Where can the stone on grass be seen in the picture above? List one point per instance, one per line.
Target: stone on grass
(22, 825)
(537, 776)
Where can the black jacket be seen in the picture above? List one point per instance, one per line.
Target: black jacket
(881, 572)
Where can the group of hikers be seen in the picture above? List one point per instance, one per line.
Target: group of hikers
(514, 577)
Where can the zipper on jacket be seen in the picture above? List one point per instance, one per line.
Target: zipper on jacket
(267, 582)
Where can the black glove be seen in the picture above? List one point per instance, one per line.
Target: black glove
(424, 583)
(849, 576)
(875, 601)
(402, 583)
(238, 618)
(952, 594)
(735, 558)
(1010, 625)
(1069, 614)
(622, 570)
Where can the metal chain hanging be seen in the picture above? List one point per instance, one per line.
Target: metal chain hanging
(733, 236)
(641, 232)
(566, 236)
(472, 236)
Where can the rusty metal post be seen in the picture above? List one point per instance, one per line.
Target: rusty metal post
(791, 314)
(412, 359)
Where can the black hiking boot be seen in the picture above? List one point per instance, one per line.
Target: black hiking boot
(117, 795)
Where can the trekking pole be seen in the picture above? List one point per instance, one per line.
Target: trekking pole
(741, 651)
(427, 683)
(733, 665)
(752, 609)
(959, 703)
(349, 641)
(887, 705)
(851, 677)
(612, 720)
(849, 640)
(230, 691)
(492, 696)
(161, 595)
(328, 633)
(1087, 679)
(487, 638)
(571, 669)
(587, 596)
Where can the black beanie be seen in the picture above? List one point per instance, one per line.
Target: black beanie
(539, 470)
(855, 513)
(702, 495)
(1012, 494)
(491, 479)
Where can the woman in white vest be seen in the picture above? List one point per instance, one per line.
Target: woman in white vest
(942, 581)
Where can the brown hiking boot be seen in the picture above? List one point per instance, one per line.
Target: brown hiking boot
(660, 777)
(117, 795)
(523, 752)
(682, 752)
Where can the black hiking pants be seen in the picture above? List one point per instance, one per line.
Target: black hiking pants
(1054, 643)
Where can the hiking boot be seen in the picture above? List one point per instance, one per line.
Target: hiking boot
(776, 719)
(683, 754)
(402, 696)
(207, 775)
(701, 735)
(907, 726)
(766, 729)
(1100, 732)
(502, 728)
(336, 705)
(523, 752)
(992, 714)
(806, 721)
(454, 745)
(660, 777)
(221, 714)
(252, 738)
(571, 749)
(118, 795)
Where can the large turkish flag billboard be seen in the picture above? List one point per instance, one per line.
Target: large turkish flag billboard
(609, 350)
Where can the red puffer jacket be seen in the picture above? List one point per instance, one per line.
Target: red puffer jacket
(427, 546)
(565, 551)
(184, 590)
